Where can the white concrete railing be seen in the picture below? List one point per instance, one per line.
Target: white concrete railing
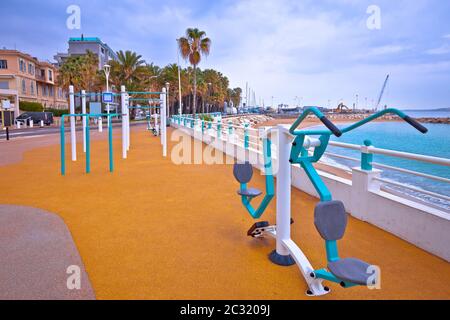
(422, 225)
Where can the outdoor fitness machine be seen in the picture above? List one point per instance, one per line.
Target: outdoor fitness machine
(151, 117)
(86, 130)
(330, 217)
(125, 100)
(159, 130)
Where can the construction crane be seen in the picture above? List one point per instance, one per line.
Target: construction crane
(382, 92)
(342, 108)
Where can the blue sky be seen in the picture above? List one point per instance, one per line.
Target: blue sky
(318, 50)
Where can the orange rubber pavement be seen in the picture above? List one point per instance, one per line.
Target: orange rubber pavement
(155, 230)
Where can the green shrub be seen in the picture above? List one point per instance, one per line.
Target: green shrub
(30, 106)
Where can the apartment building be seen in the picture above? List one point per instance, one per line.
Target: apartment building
(80, 46)
(25, 78)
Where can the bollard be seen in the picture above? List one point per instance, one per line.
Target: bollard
(31, 123)
(7, 133)
(366, 156)
(100, 125)
(246, 137)
(18, 124)
(42, 123)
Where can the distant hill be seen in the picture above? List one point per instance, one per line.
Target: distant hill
(440, 109)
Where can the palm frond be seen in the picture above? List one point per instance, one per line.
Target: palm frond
(185, 47)
(205, 46)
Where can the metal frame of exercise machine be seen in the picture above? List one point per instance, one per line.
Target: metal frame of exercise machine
(293, 148)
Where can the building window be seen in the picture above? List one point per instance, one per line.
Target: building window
(4, 85)
(45, 91)
(3, 64)
(51, 91)
(43, 74)
(50, 75)
(22, 66)
(37, 89)
(32, 88)
(31, 69)
(24, 86)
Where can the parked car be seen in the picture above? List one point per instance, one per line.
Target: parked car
(36, 117)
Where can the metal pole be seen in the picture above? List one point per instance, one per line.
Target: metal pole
(7, 134)
(179, 84)
(168, 98)
(124, 122)
(127, 111)
(83, 111)
(63, 148)
(73, 137)
(88, 147)
(110, 138)
(107, 90)
(163, 122)
(283, 191)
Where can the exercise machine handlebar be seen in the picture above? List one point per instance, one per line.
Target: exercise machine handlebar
(313, 110)
(414, 123)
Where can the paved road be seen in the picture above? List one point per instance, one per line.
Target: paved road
(36, 131)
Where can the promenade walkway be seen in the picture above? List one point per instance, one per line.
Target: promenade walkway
(155, 230)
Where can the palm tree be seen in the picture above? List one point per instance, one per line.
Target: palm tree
(192, 47)
(127, 69)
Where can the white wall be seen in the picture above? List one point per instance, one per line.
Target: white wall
(426, 227)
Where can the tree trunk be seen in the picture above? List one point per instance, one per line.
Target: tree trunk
(195, 90)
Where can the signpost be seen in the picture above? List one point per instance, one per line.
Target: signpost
(108, 97)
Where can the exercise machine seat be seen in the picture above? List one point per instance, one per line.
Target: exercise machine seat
(350, 270)
(243, 172)
(251, 193)
(330, 220)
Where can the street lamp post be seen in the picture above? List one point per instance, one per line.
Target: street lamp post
(107, 70)
(168, 100)
(179, 83)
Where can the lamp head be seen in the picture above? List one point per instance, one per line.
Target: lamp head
(107, 69)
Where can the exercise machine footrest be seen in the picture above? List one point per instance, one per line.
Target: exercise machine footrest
(257, 229)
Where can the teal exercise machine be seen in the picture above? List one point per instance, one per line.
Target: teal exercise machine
(86, 129)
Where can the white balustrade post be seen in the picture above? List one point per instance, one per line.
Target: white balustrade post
(363, 182)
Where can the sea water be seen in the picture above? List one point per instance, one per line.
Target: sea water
(400, 136)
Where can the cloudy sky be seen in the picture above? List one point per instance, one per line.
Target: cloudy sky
(319, 50)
